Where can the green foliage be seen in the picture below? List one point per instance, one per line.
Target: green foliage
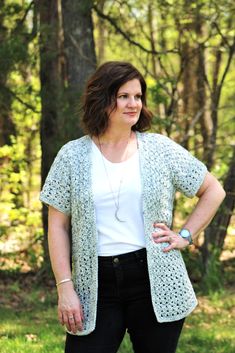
(194, 267)
(19, 208)
(213, 278)
(20, 217)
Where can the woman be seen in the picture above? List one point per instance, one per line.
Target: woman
(116, 188)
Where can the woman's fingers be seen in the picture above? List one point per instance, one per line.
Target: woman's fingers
(72, 321)
(160, 230)
(160, 234)
(163, 234)
(72, 325)
(79, 321)
(60, 317)
(162, 226)
(171, 239)
(70, 311)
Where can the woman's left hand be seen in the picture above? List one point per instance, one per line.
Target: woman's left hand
(166, 235)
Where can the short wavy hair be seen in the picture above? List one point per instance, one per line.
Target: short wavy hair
(101, 93)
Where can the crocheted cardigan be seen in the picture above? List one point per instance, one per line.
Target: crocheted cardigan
(165, 168)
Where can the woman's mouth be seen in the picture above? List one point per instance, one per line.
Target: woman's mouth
(131, 113)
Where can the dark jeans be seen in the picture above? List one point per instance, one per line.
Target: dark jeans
(124, 302)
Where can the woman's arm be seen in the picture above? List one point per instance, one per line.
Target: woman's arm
(210, 195)
(69, 308)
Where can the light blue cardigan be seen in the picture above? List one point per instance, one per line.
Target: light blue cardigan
(165, 168)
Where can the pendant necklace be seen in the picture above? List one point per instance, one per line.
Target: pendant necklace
(116, 199)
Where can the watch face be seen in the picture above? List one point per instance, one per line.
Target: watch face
(185, 233)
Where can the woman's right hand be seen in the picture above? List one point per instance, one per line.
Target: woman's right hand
(69, 308)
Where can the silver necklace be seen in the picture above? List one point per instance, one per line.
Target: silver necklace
(116, 199)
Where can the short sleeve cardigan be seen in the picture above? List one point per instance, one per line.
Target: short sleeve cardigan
(165, 168)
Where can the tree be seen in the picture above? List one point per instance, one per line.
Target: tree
(216, 233)
(67, 59)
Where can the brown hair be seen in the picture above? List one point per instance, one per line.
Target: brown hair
(101, 92)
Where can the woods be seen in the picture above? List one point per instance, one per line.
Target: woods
(48, 50)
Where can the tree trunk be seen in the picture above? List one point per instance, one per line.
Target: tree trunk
(7, 127)
(80, 57)
(203, 99)
(101, 29)
(62, 78)
(216, 233)
(51, 94)
(190, 97)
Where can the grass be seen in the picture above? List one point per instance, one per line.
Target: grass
(212, 326)
(28, 322)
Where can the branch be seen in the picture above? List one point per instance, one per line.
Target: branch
(225, 40)
(191, 125)
(133, 15)
(231, 53)
(112, 21)
(27, 105)
(76, 45)
(21, 21)
(174, 90)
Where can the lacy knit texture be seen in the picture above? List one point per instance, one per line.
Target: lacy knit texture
(165, 168)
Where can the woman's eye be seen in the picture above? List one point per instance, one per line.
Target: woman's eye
(125, 96)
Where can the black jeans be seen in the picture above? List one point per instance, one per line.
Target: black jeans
(124, 302)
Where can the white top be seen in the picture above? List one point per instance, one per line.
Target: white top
(116, 237)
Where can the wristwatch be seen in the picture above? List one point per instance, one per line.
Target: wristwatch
(185, 233)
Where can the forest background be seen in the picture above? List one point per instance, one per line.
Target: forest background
(48, 48)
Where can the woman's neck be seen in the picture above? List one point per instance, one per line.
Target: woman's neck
(117, 148)
(115, 137)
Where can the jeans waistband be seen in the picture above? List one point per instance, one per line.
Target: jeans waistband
(133, 255)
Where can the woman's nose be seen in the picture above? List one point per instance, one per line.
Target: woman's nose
(132, 102)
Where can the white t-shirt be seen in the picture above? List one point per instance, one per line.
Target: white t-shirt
(116, 237)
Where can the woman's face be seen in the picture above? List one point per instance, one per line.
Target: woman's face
(128, 105)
